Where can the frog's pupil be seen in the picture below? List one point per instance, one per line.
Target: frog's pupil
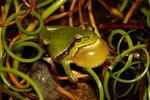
(78, 40)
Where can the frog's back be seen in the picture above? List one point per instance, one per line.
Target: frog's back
(59, 38)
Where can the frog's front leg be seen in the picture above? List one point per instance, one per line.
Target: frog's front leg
(66, 65)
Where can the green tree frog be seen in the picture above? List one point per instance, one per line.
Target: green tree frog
(68, 45)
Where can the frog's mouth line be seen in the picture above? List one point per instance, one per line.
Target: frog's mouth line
(67, 52)
(88, 44)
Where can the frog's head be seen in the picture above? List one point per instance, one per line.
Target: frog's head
(91, 51)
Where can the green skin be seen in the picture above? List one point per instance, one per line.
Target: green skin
(60, 38)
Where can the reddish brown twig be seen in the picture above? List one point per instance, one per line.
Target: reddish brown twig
(121, 26)
(63, 14)
(64, 92)
(81, 16)
(34, 5)
(26, 3)
(30, 96)
(148, 44)
(77, 74)
(143, 86)
(64, 20)
(132, 10)
(14, 21)
(54, 17)
(2, 14)
(12, 77)
(1, 93)
(91, 17)
(111, 9)
(53, 67)
(20, 18)
(81, 3)
(70, 14)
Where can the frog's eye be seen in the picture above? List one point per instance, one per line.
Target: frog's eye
(92, 55)
(78, 38)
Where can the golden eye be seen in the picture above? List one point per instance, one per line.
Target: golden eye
(92, 55)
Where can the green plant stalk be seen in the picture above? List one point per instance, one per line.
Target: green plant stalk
(31, 27)
(46, 13)
(136, 87)
(92, 18)
(16, 3)
(144, 11)
(149, 2)
(30, 32)
(52, 8)
(24, 76)
(149, 91)
(145, 94)
(147, 14)
(15, 63)
(119, 31)
(148, 19)
(12, 93)
(123, 5)
(1, 45)
(129, 41)
(129, 65)
(44, 3)
(125, 35)
(122, 95)
(107, 76)
(106, 90)
(98, 82)
(140, 38)
(7, 6)
(32, 44)
(142, 74)
(11, 86)
(148, 76)
(4, 79)
(20, 74)
(12, 55)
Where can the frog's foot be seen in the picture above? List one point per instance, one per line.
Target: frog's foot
(68, 71)
(72, 78)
